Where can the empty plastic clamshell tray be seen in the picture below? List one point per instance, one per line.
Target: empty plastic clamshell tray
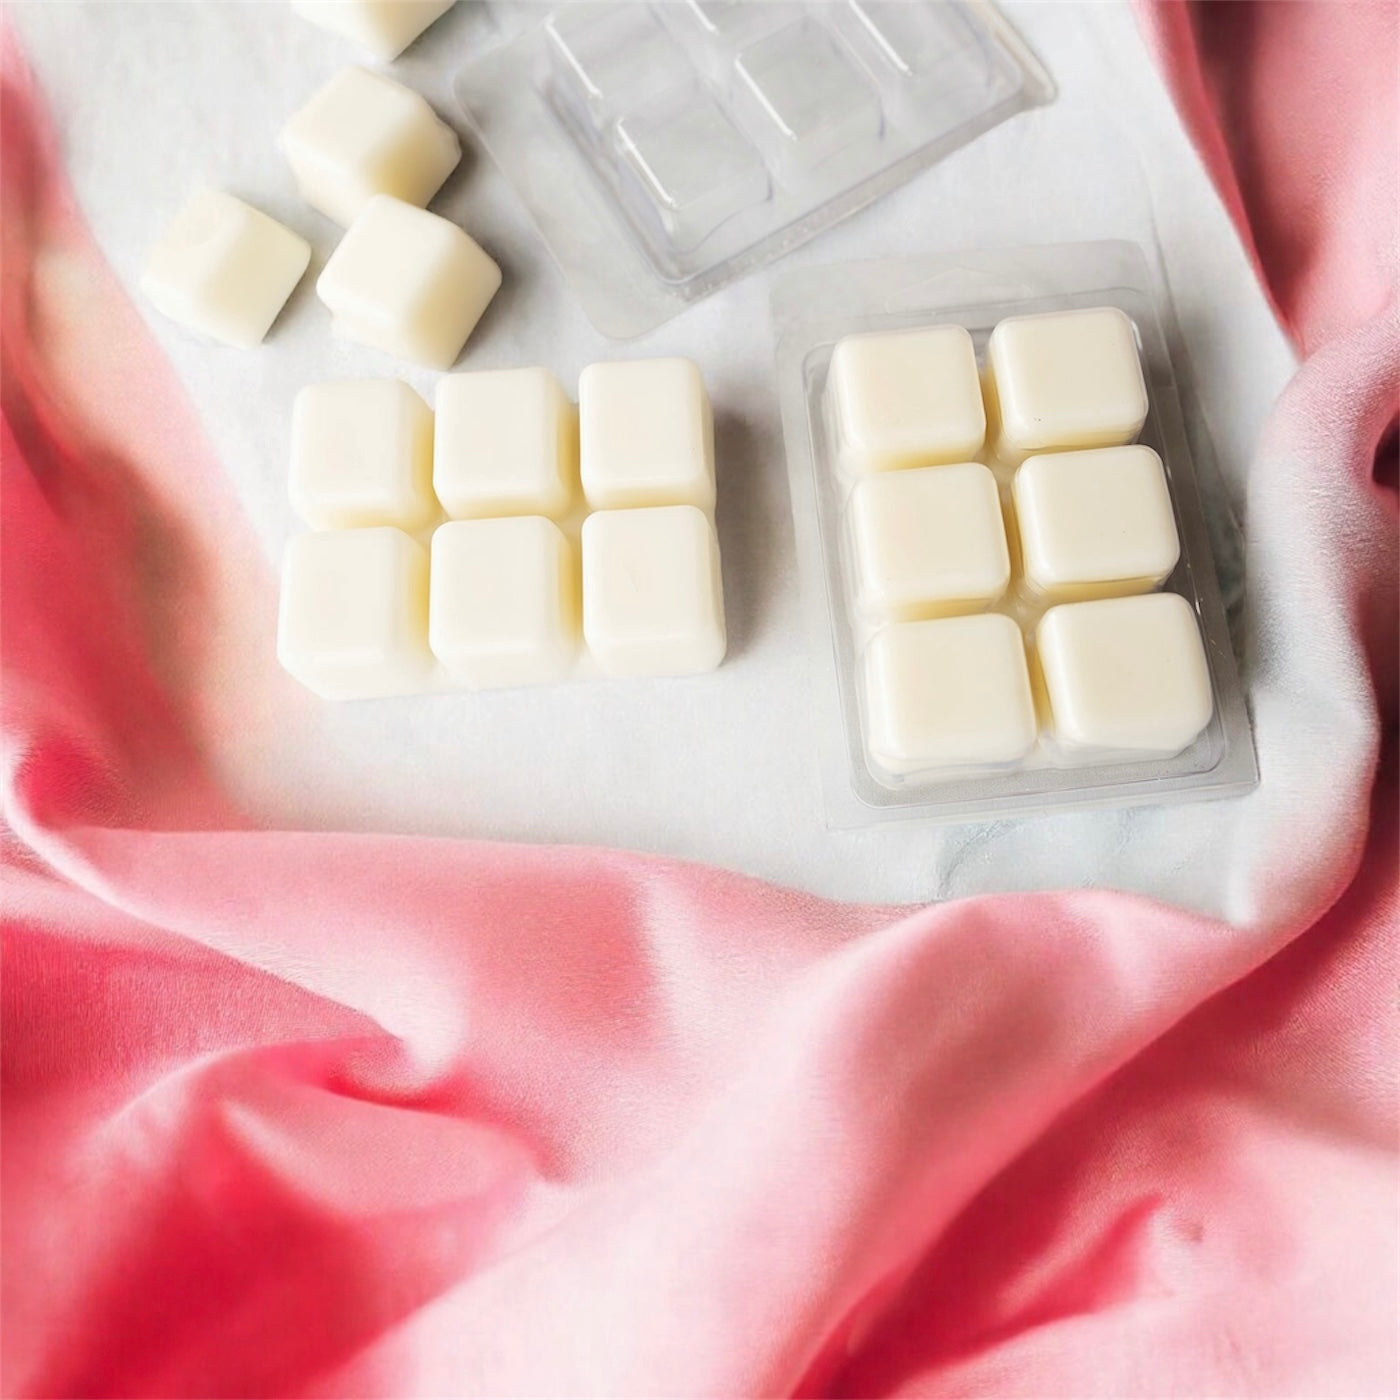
(1001, 538)
(666, 149)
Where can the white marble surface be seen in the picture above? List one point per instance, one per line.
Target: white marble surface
(151, 98)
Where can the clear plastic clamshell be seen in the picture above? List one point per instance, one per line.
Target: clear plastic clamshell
(1005, 625)
(665, 149)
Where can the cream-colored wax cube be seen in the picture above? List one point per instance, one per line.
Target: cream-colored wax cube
(948, 692)
(1125, 675)
(1095, 523)
(906, 399)
(928, 541)
(503, 608)
(382, 27)
(363, 134)
(1064, 379)
(506, 444)
(408, 282)
(646, 435)
(353, 621)
(652, 598)
(362, 454)
(224, 269)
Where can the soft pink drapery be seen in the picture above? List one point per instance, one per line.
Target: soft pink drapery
(295, 1113)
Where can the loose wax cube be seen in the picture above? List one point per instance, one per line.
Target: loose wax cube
(506, 444)
(503, 601)
(928, 541)
(1065, 379)
(948, 692)
(362, 454)
(646, 435)
(353, 621)
(363, 134)
(907, 399)
(383, 27)
(1125, 675)
(408, 282)
(224, 269)
(1095, 523)
(652, 600)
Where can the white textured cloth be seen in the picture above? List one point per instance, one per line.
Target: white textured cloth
(153, 98)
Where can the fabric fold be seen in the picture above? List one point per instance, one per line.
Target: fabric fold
(336, 1114)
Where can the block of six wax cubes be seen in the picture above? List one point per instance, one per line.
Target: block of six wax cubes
(1006, 541)
(576, 539)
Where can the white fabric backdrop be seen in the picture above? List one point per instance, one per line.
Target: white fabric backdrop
(151, 98)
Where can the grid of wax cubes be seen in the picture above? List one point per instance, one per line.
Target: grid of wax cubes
(574, 536)
(700, 111)
(1006, 541)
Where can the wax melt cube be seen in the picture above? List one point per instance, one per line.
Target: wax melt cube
(928, 541)
(1125, 675)
(383, 27)
(503, 605)
(408, 282)
(907, 398)
(646, 435)
(1095, 523)
(224, 269)
(652, 599)
(506, 444)
(363, 134)
(362, 454)
(1065, 379)
(353, 621)
(948, 692)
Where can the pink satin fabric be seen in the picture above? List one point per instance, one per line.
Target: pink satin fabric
(291, 1113)
(1293, 107)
